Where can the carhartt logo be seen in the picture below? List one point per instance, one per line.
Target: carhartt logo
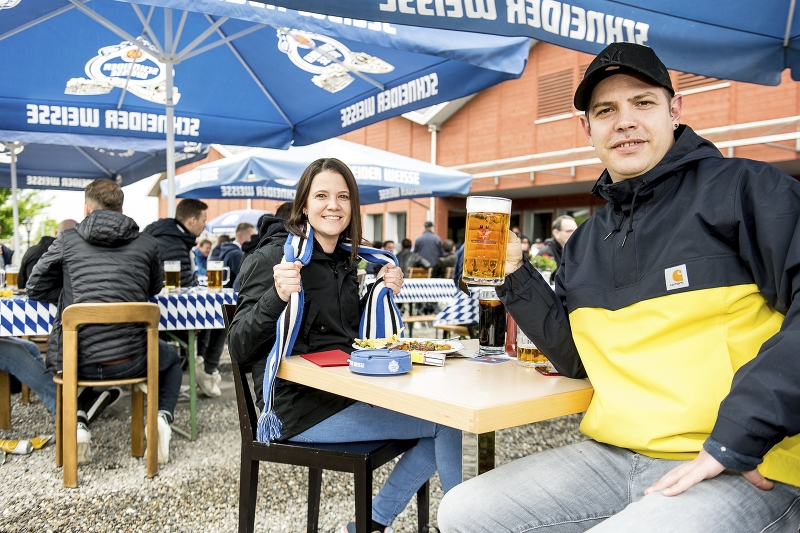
(676, 277)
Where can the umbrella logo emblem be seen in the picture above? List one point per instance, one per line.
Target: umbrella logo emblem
(8, 4)
(327, 58)
(133, 66)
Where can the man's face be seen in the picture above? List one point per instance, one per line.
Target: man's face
(630, 123)
(526, 244)
(568, 227)
(205, 249)
(195, 225)
(390, 246)
(244, 236)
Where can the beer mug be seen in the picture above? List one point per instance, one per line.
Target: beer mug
(486, 239)
(11, 275)
(491, 323)
(172, 275)
(527, 352)
(214, 271)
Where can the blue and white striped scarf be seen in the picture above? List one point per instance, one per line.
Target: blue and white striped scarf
(381, 319)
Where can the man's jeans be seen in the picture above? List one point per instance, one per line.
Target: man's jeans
(169, 374)
(439, 448)
(22, 359)
(600, 488)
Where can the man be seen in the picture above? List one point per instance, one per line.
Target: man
(429, 245)
(563, 228)
(446, 261)
(176, 236)
(676, 299)
(36, 252)
(106, 259)
(231, 252)
(389, 246)
(201, 256)
(6, 254)
(406, 258)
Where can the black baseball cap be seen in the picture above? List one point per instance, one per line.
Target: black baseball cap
(617, 58)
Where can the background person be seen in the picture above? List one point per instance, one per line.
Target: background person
(407, 259)
(201, 253)
(429, 245)
(176, 236)
(677, 299)
(446, 261)
(563, 228)
(105, 259)
(217, 249)
(34, 253)
(327, 199)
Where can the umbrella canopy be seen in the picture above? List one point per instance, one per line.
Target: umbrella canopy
(227, 222)
(737, 40)
(273, 174)
(70, 162)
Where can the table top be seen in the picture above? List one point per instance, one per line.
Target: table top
(463, 394)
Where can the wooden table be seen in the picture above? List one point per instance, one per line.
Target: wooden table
(477, 398)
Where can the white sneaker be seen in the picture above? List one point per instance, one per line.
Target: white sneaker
(84, 444)
(164, 436)
(208, 383)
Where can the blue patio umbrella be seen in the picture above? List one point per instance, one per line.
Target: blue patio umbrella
(251, 76)
(273, 174)
(738, 39)
(227, 222)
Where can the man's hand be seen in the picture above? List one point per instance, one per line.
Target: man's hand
(392, 277)
(703, 467)
(513, 253)
(287, 279)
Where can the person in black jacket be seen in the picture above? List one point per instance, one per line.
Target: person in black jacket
(679, 300)
(563, 228)
(406, 258)
(327, 199)
(446, 261)
(34, 253)
(176, 236)
(106, 259)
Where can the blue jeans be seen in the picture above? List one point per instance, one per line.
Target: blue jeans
(439, 448)
(22, 359)
(600, 488)
(169, 374)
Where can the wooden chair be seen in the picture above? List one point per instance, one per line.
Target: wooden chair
(418, 272)
(449, 272)
(358, 458)
(67, 383)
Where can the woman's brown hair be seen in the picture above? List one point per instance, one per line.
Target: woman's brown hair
(296, 224)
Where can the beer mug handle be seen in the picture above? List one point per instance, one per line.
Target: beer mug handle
(227, 275)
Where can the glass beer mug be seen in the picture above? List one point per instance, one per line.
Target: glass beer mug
(214, 271)
(11, 275)
(528, 354)
(172, 275)
(486, 240)
(491, 322)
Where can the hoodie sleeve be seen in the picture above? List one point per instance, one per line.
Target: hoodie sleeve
(252, 331)
(543, 317)
(762, 406)
(47, 278)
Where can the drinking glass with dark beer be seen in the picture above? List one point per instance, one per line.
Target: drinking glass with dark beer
(491, 322)
(486, 240)
(214, 270)
(172, 275)
(12, 273)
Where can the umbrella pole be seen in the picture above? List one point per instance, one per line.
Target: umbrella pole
(15, 204)
(170, 145)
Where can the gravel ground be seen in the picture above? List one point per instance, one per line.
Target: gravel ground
(198, 489)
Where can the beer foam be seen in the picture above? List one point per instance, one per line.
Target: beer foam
(488, 204)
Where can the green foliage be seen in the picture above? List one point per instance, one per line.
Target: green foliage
(50, 227)
(30, 204)
(541, 262)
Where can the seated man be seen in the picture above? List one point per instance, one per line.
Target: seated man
(446, 261)
(106, 259)
(677, 300)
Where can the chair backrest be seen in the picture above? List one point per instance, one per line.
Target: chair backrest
(449, 272)
(248, 419)
(418, 272)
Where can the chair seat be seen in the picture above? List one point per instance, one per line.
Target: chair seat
(104, 382)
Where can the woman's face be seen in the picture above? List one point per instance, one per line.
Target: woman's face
(328, 208)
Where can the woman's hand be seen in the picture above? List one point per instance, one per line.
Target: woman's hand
(513, 253)
(287, 279)
(392, 277)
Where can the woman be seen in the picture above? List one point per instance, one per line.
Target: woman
(327, 199)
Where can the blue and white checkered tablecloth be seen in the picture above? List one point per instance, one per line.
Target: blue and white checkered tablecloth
(420, 290)
(462, 310)
(198, 309)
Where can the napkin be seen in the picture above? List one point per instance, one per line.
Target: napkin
(329, 358)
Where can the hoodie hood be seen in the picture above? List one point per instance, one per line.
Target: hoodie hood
(172, 228)
(107, 228)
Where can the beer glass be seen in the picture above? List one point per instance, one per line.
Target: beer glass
(172, 275)
(486, 239)
(214, 271)
(12, 273)
(491, 323)
(527, 352)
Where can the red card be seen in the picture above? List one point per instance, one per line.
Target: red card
(329, 358)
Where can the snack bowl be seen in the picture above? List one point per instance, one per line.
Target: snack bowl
(380, 362)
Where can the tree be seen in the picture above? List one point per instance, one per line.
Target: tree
(50, 227)
(30, 204)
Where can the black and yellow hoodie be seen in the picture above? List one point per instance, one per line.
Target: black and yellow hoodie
(676, 300)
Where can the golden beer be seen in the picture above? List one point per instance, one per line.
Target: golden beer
(172, 275)
(214, 279)
(215, 270)
(530, 355)
(11, 279)
(486, 240)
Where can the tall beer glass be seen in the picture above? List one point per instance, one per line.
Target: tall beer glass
(214, 270)
(491, 322)
(172, 275)
(486, 240)
(12, 272)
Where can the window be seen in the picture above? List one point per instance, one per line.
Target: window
(373, 228)
(555, 94)
(580, 214)
(396, 227)
(691, 81)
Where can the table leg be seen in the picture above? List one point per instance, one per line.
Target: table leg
(5, 401)
(477, 454)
